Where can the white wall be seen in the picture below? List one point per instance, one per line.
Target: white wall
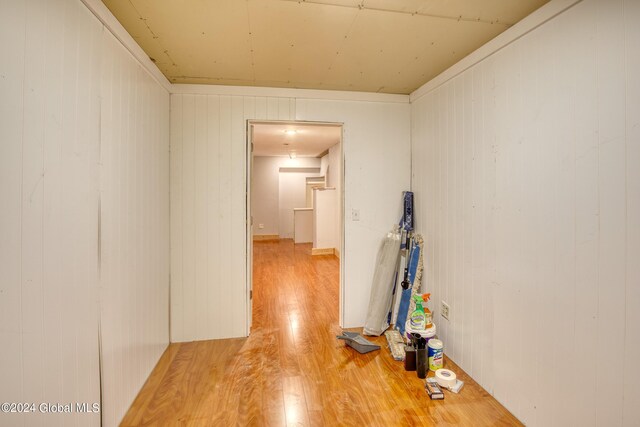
(63, 168)
(303, 223)
(208, 192)
(265, 193)
(134, 233)
(292, 194)
(208, 251)
(332, 168)
(526, 169)
(325, 207)
(49, 147)
(376, 171)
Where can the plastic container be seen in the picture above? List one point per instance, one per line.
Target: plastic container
(409, 358)
(425, 333)
(436, 354)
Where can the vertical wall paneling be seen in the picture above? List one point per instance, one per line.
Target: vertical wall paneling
(85, 226)
(369, 126)
(238, 209)
(49, 127)
(176, 286)
(631, 388)
(134, 202)
(583, 402)
(32, 205)
(214, 262)
(229, 281)
(611, 187)
(208, 198)
(12, 27)
(200, 212)
(530, 213)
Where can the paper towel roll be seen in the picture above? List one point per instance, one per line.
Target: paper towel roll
(445, 378)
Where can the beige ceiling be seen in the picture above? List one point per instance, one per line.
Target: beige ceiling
(389, 46)
(305, 140)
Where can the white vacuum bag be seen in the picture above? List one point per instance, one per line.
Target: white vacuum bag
(382, 288)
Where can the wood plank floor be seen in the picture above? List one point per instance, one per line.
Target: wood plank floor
(292, 371)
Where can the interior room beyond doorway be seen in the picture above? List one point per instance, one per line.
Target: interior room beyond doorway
(296, 189)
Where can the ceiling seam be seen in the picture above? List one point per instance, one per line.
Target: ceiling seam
(342, 42)
(264, 83)
(362, 6)
(153, 36)
(253, 67)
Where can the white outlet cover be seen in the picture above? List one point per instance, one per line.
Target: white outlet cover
(261, 226)
(355, 214)
(445, 310)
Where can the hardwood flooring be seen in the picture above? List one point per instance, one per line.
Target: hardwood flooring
(292, 371)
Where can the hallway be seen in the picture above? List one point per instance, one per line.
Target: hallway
(292, 370)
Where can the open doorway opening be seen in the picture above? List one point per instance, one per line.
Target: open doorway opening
(294, 223)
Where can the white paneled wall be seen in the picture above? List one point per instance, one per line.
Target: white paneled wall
(208, 167)
(49, 142)
(526, 173)
(208, 203)
(84, 224)
(134, 201)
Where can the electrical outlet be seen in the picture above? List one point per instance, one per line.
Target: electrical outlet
(444, 310)
(261, 226)
(355, 215)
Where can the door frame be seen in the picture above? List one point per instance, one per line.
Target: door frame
(249, 220)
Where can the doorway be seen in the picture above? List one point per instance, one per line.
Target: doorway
(295, 203)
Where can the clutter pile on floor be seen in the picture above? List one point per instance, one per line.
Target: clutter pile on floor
(396, 301)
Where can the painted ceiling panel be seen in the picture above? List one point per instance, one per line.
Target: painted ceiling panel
(492, 11)
(306, 37)
(391, 46)
(199, 38)
(305, 140)
(406, 50)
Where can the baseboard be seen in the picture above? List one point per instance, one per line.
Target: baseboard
(263, 237)
(322, 251)
(336, 252)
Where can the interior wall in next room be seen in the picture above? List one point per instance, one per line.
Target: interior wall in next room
(265, 191)
(332, 169)
(526, 170)
(292, 193)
